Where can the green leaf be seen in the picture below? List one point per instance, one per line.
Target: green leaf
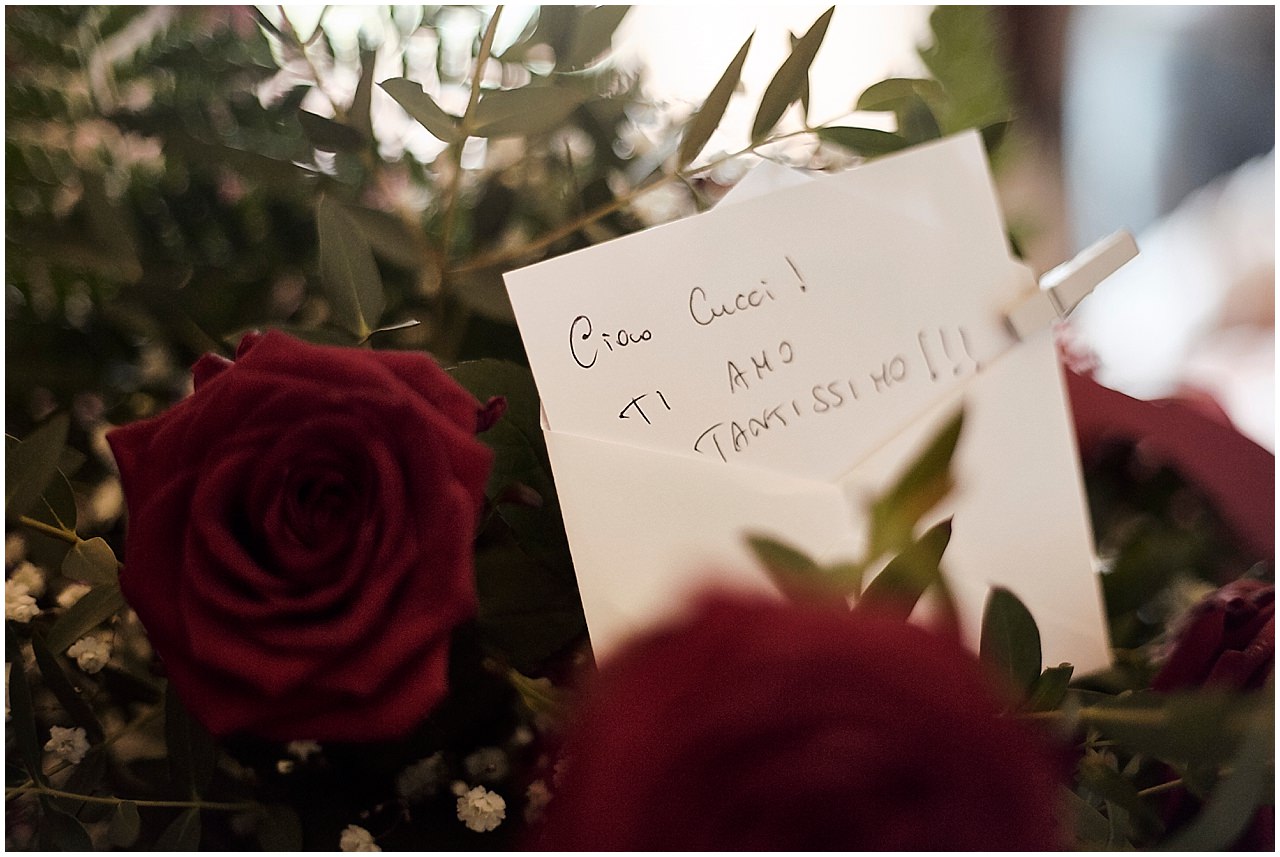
(794, 573)
(897, 589)
(60, 831)
(57, 681)
(422, 107)
(867, 142)
(924, 483)
(888, 95)
(704, 123)
(279, 829)
(527, 611)
(1198, 728)
(347, 270)
(329, 134)
(30, 465)
(912, 101)
(1050, 688)
(791, 79)
(1099, 778)
(1092, 830)
(22, 724)
(191, 750)
(526, 111)
(793, 40)
(359, 114)
(1232, 804)
(97, 606)
(1010, 642)
(182, 834)
(592, 35)
(125, 824)
(93, 562)
(965, 59)
(57, 505)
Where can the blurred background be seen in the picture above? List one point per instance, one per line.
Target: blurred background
(163, 164)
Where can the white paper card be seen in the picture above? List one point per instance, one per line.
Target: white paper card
(770, 365)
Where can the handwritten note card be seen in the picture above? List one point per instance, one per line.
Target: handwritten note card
(775, 355)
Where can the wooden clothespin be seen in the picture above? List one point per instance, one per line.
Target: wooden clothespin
(1062, 288)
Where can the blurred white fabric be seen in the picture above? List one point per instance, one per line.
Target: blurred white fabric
(1197, 307)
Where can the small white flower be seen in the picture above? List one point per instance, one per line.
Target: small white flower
(481, 810)
(302, 750)
(356, 838)
(68, 744)
(537, 796)
(422, 779)
(15, 548)
(32, 576)
(91, 653)
(458, 787)
(486, 765)
(72, 593)
(19, 605)
(522, 736)
(285, 766)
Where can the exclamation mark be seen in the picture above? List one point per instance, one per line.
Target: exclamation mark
(796, 271)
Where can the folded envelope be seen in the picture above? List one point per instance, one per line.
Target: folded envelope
(899, 280)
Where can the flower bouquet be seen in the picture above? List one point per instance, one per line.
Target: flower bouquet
(285, 564)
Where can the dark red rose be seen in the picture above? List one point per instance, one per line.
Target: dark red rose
(1233, 472)
(762, 726)
(300, 537)
(1227, 641)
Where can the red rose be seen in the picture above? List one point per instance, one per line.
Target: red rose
(762, 726)
(1227, 641)
(300, 537)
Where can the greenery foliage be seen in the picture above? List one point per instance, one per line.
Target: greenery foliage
(178, 175)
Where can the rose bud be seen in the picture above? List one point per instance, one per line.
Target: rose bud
(1228, 640)
(756, 725)
(300, 537)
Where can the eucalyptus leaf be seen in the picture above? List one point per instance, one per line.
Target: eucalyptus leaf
(329, 134)
(56, 679)
(923, 484)
(125, 825)
(706, 120)
(93, 562)
(182, 834)
(592, 35)
(793, 39)
(109, 227)
(1010, 641)
(867, 142)
(527, 611)
(422, 107)
(60, 831)
(30, 465)
(898, 588)
(526, 111)
(57, 505)
(347, 270)
(889, 94)
(95, 607)
(191, 750)
(22, 717)
(965, 40)
(359, 113)
(791, 79)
